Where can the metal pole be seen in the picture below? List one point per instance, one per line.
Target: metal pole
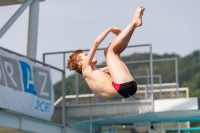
(149, 127)
(151, 75)
(161, 127)
(91, 119)
(33, 29)
(147, 90)
(177, 87)
(145, 61)
(96, 98)
(63, 98)
(77, 89)
(14, 17)
(147, 79)
(177, 84)
(63, 92)
(178, 127)
(71, 51)
(147, 76)
(160, 82)
(44, 58)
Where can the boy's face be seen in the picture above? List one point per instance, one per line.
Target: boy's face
(82, 56)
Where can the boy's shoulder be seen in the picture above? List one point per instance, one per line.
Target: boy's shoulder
(92, 72)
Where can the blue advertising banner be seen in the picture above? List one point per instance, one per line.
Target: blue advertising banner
(25, 86)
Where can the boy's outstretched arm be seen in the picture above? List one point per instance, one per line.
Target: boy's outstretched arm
(96, 43)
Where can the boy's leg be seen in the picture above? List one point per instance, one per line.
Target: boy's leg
(117, 68)
(121, 41)
(125, 44)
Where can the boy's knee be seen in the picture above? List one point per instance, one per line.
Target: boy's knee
(110, 50)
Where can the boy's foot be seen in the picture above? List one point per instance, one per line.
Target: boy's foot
(138, 16)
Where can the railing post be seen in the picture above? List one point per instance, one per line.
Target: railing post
(63, 92)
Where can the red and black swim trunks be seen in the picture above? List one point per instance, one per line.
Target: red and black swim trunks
(126, 89)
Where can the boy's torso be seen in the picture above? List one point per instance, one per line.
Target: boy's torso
(101, 84)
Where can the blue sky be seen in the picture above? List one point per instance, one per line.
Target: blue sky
(171, 26)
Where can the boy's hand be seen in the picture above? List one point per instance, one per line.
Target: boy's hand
(115, 30)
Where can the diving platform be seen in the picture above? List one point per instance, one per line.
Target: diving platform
(165, 110)
(108, 109)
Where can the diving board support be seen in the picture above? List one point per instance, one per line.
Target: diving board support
(10, 22)
(33, 29)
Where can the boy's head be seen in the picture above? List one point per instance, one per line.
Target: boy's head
(72, 62)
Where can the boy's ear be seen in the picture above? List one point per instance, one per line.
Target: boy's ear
(80, 63)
